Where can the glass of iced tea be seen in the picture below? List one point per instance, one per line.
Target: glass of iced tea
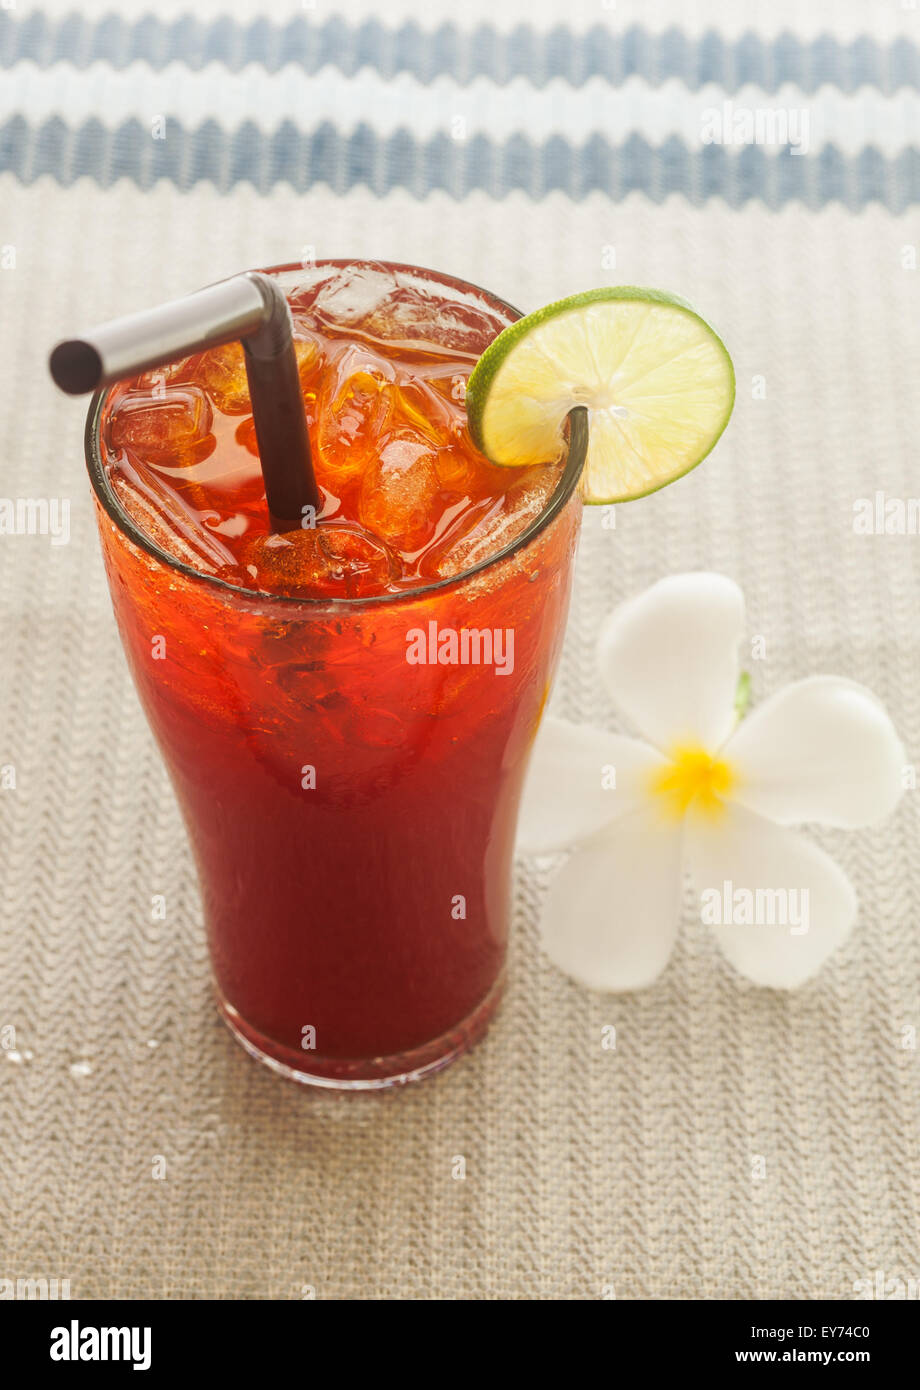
(345, 710)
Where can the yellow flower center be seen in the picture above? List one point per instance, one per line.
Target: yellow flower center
(693, 778)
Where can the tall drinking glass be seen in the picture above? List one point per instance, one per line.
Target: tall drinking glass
(349, 770)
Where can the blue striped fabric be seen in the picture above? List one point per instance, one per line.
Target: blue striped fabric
(381, 164)
(481, 52)
(323, 153)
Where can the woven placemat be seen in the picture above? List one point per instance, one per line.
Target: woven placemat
(587, 1170)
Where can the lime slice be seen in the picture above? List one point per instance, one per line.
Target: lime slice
(658, 383)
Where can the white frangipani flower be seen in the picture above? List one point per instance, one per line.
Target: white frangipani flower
(704, 793)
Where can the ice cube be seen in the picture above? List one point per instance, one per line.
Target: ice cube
(161, 514)
(158, 379)
(328, 560)
(404, 316)
(449, 379)
(308, 354)
(465, 328)
(380, 303)
(426, 410)
(354, 292)
(400, 493)
(495, 527)
(412, 316)
(352, 409)
(460, 468)
(174, 427)
(222, 371)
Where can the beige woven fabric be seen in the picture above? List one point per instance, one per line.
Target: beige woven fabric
(586, 1168)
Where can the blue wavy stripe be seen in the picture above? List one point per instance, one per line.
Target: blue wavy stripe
(464, 55)
(326, 156)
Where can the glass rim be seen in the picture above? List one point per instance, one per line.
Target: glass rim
(127, 525)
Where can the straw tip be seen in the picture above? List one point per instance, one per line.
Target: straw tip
(76, 367)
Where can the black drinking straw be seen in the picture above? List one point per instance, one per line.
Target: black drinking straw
(250, 308)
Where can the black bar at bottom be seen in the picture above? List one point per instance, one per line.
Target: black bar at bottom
(265, 1341)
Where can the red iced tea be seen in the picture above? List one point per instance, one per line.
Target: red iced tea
(345, 710)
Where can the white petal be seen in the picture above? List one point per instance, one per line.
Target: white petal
(803, 904)
(822, 749)
(568, 794)
(669, 659)
(612, 912)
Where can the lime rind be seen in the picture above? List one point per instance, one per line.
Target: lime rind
(656, 377)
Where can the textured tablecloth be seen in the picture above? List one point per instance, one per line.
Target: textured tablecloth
(737, 1143)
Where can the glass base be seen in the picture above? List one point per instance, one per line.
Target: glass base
(369, 1073)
